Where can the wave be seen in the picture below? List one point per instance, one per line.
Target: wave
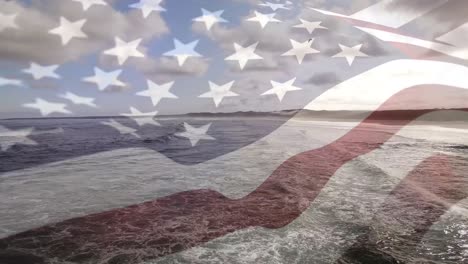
(183, 220)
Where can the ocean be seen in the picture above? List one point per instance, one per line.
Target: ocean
(368, 212)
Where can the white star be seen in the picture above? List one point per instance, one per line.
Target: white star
(46, 108)
(309, 26)
(9, 138)
(158, 91)
(274, 6)
(243, 55)
(7, 21)
(105, 79)
(142, 118)
(350, 53)
(183, 51)
(210, 18)
(121, 128)
(123, 50)
(68, 30)
(263, 19)
(79, 100)
(148, 6)
(38, 72)
(86, 4)
(280, 89)
(5, 82)
(300, 50)
(218, 92)
(195, 134)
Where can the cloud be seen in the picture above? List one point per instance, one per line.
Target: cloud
(32, 42)
(274, 40)
(270, 46)
(324, 78)
(247, 33)
(166, 69)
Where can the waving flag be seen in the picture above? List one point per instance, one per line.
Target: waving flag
(233, 131)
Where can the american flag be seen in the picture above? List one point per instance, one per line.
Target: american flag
(151, 131)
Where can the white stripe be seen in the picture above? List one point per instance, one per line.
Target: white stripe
(370, 89)
(457, 37)
(385, 13)
(461, 53)
(382, 13)
(329, 13)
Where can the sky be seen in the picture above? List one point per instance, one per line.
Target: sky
(30, 41)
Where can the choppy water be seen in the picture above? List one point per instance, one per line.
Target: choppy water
(355, 219)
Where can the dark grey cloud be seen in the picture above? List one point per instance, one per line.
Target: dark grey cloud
(324, 78)
(31, 41)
